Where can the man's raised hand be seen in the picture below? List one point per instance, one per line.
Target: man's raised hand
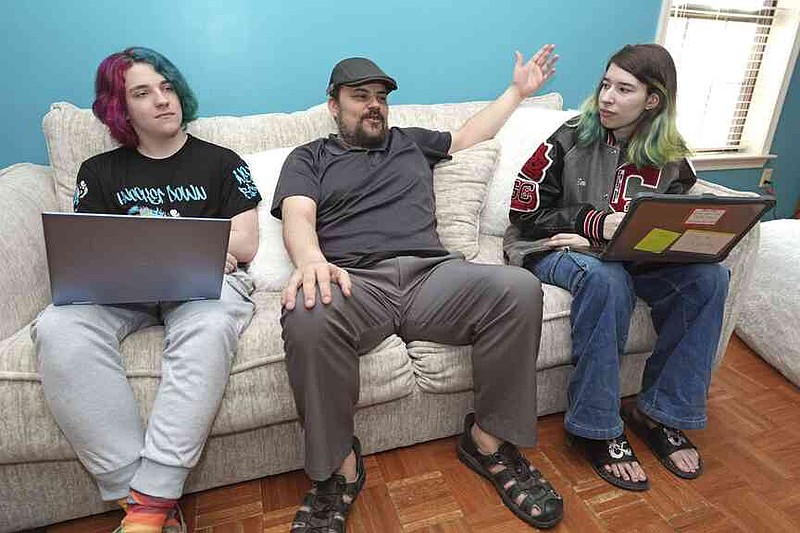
(529, 77)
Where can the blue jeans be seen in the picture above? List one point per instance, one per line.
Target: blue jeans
(686, 305)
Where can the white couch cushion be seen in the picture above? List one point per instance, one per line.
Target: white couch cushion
(460, 186)
(271, 267)
(441, 369)
(525, 130)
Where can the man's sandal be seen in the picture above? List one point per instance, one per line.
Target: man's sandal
(662, 440)
(601, 453)
(521, 487)
(325, 506)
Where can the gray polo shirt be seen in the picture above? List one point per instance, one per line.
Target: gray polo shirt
(372, 204)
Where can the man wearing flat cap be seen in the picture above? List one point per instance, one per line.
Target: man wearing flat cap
(360, 227)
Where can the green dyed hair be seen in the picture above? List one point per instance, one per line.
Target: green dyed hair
(655, 141)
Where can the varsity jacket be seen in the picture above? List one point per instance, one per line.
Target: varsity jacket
(564, 188)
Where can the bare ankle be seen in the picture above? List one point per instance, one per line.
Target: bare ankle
(486, 442)
(349, 468)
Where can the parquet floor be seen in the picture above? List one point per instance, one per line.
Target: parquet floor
(751, 450)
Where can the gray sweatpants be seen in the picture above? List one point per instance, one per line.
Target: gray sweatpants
(88, 393)
(496, 309)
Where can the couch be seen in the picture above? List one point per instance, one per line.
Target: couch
(411, 392)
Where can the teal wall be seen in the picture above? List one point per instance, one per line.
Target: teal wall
(250, 56)
(786, 145)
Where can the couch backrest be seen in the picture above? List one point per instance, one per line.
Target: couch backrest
(74, 134)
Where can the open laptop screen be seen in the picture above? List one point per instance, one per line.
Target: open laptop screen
(108, 259)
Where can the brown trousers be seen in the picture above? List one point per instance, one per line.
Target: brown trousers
(496, 309)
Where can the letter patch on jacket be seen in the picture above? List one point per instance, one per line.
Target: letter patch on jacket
(525, 197)
(630, 180)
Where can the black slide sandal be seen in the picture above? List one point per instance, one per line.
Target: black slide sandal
(608, 452)
(662, 440)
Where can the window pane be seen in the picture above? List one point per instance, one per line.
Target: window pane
(711, 57)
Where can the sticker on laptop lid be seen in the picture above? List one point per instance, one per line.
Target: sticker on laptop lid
(656, 241)
(698, 241)
(703, 216)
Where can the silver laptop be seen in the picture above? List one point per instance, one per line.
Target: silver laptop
(110, 259)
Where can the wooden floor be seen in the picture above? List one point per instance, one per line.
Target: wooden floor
(751, 450)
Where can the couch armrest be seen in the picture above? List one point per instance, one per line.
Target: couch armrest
(707, 187)
(741, 263)
(25, 191)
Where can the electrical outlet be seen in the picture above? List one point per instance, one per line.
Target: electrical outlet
(766, 178)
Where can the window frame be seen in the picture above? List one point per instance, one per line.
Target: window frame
(772, 85)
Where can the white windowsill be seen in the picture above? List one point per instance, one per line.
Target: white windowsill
(729, 161)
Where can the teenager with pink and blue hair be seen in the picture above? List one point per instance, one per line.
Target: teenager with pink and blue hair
(160, 170)
(568, 200)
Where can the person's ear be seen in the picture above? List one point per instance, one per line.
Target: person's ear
(333, 107)
(652, 101)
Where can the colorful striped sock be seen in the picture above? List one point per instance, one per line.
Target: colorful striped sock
(146, 514)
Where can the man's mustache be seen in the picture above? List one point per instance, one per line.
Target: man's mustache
(374, 115)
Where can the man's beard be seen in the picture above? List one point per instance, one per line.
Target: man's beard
(359, 136)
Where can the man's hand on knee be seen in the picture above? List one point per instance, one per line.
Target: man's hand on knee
(310, 276)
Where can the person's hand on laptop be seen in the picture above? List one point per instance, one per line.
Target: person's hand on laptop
(611, 224)
(567, 240)
(230, 263)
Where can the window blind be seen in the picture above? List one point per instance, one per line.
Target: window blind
(718, 47)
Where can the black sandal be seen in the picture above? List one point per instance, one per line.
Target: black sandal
(662, 440)
(609, 452)
(325, 506)
(517, 478)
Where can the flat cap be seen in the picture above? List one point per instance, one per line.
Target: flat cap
(357, 71)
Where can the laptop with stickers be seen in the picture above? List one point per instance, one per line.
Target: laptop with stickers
(678, 228)
(111, 259)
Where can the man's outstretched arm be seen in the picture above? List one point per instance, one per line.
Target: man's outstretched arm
(299, 215)
(527, 79)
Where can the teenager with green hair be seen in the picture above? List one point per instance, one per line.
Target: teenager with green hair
(568, 200)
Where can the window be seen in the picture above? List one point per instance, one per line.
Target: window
(734, 61)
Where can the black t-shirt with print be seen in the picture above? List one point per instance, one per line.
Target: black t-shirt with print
(199, 180)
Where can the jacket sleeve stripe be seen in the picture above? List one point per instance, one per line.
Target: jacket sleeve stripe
(592, 226)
